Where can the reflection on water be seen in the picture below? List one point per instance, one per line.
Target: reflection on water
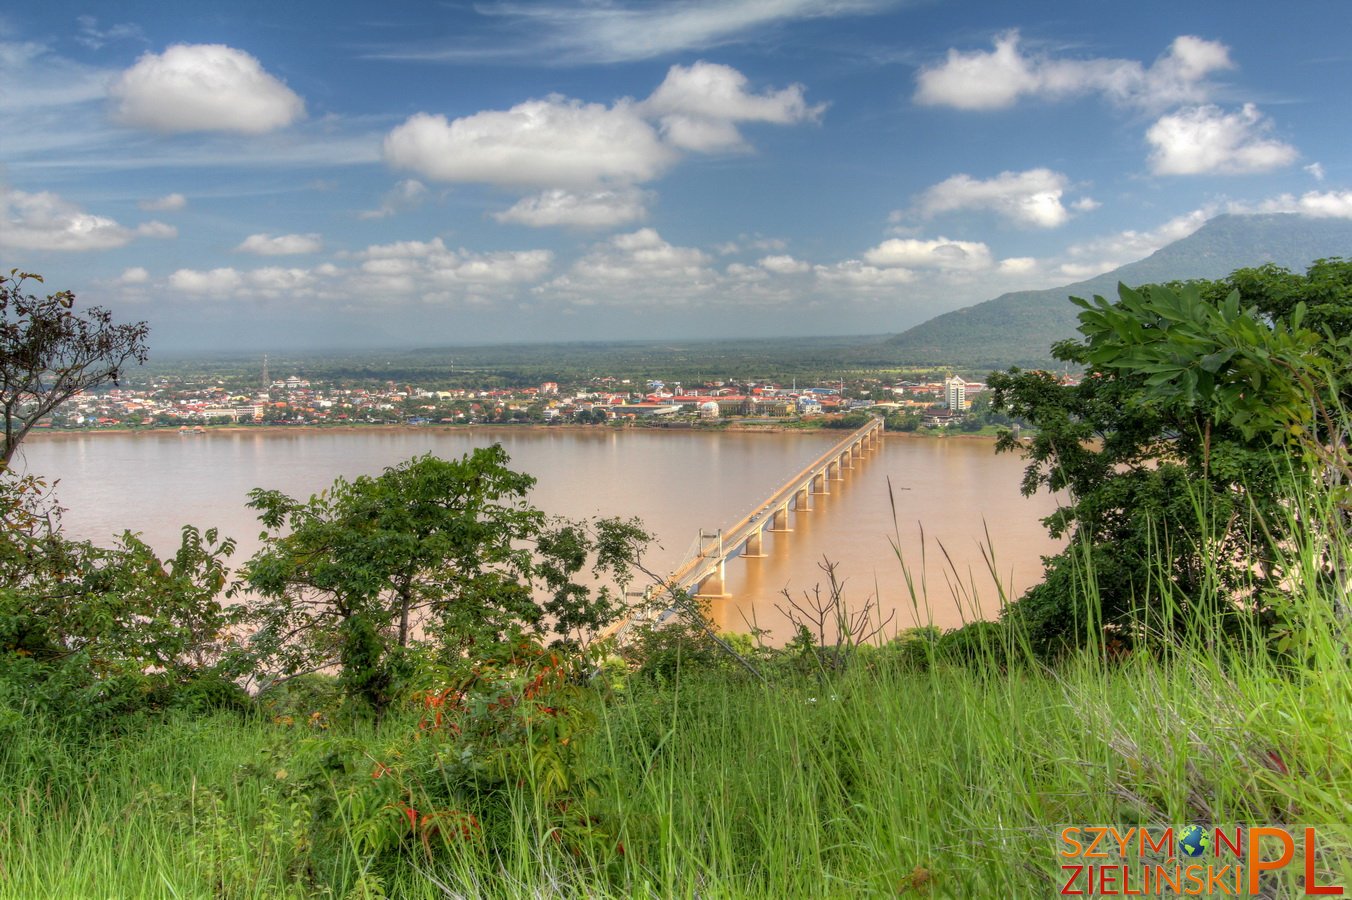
(956, 492)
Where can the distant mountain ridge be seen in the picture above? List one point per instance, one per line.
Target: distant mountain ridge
(1018, 329)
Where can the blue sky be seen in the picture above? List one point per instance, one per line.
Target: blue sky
(301, 175)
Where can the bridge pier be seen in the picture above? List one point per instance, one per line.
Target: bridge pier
(704, 573)
(712, 586)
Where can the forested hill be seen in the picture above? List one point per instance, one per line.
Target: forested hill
(1018, 329)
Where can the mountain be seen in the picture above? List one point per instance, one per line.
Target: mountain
(1018, 329)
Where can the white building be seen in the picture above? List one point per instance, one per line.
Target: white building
(955, 394)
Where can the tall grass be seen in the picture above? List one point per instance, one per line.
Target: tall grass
(887, 779)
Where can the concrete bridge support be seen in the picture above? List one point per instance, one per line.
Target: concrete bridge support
(705, 572)
(712, 585)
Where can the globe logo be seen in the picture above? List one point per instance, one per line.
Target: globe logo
(1194, 841)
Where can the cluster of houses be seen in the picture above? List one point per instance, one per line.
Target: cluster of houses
(295, 400)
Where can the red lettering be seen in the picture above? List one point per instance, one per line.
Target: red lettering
(1236, 848)
(1074, 873)
(1310, 887)
(1108, 880)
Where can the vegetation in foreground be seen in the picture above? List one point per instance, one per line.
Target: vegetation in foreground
(915, 769)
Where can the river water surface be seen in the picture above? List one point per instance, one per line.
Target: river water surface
(956, 492)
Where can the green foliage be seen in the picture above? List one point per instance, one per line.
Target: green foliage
(518, 774)
(1256, 376)
(849, 420)
(660, 651)
(48, 354)
(84, 626)
(444, 551)
(499, 735)
(1175, 445)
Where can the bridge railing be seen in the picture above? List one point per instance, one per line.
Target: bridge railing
(788, 488)
(684, 573)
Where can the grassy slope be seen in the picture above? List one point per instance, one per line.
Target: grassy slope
(720, 787)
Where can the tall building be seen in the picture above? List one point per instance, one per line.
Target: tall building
(955, 394)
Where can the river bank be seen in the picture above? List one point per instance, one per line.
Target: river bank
(726, 427)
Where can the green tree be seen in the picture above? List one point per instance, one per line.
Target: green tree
(96, 613)
(1172, 450)
(48, 354)
(446, 551)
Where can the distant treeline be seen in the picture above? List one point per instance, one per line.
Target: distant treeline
(809, 361)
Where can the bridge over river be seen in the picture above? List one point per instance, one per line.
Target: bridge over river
(702, 573)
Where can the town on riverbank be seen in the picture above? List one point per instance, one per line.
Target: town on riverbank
(909, 401)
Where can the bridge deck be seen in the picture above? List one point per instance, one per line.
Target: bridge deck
(694, 570)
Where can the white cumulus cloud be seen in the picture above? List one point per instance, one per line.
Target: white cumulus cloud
(698, 106)
(999, 78)
(45, 221)
(134, 275)
(1018, 265)
(1031, 198)
(407, 194)
(281, 245)
(1315, 204)
(432, 271)
(554, 142)
(586, 159)
(214, 281)
(203, 87)
(276, 281)
(636, 268)
(940, 253)
(1207, 140)
(154, 229)
(782, 264)
(1103, 254)
(167, 203)
(604, 208)
(853, 274)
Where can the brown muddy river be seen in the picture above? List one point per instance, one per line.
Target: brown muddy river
(956, 492)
